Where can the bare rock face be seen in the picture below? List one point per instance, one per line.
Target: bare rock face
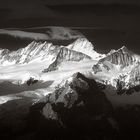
(135, 75)
(66, 55)
(31, 81)
(49, 113)
(121, 57)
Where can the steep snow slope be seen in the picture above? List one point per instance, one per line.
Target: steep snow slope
(84, 46)
(122, 57)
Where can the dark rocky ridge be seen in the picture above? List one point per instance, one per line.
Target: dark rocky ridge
(77, 109)
(80, 110)
(74, 111)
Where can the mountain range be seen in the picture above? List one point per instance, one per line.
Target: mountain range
(40, 60)
(71, 91)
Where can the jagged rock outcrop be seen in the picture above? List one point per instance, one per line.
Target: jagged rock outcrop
(66, 55)
(121, 58)
(135, 75)
(31, 81)
(131, 81)
(34, 51)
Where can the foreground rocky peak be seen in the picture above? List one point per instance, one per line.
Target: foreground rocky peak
(79, 93)
(76, 106)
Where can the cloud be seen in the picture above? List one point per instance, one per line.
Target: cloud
(62, 33)
(23, 34)
(52, 33)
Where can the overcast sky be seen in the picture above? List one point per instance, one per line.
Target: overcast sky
(27, 13)
(59, 2)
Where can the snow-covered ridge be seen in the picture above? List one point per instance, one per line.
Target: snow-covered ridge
(38, 51)
(34, 51)
(84, 46)
(122, 57)
(116, 60)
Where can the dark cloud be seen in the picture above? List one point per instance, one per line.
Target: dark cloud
(87, 13)
(67, 2)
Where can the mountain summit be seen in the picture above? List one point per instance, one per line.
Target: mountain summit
(122, 57)
(84, 46)
(119, 67)
(38, 51)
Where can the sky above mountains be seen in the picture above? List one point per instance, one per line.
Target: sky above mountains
(61, 2)
(80, 13)
(107, 24)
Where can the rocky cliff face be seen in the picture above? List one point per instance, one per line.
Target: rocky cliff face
(135, 74)
(66, 55)
(122, 57)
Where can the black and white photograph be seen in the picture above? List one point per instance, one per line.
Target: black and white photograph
(69, 69)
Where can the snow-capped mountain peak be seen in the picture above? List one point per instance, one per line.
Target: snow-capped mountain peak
(34, 51)
(119, 67)
(122, 57)
(84, 46)
(41, 51)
